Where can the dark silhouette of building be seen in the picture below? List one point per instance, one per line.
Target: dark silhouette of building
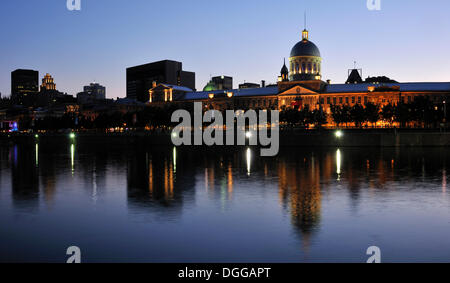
(223, 82)
(249, 85)
(23, 83)
(141, 79)
(354, 77)
(380, 80)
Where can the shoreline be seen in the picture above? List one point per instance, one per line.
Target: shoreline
(288, 138)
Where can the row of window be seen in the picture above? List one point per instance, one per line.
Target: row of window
(304, 68)
(346, 100)
(256, 103)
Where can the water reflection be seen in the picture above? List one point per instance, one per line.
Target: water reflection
(222, 188)
(300, 193)
(25, 178)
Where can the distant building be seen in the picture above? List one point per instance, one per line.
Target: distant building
(92, 93)
(163, 93)
(249, 85)
(96, 90)
(223, 82)
(48, 83)
(24, 82)
(300, 86)
(141, 79)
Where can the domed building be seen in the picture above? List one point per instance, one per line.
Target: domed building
(210, 86)
(305, 61)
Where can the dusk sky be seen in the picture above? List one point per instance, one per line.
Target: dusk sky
(408, 40)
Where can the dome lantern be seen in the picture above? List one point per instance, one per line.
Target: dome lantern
(305, 34)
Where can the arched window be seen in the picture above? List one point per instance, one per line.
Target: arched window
(315, 68)
(303, 68)
(296, 67)
(309, 67)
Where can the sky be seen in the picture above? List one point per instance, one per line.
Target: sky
(407, 40)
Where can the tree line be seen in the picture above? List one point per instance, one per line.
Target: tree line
(419, 113)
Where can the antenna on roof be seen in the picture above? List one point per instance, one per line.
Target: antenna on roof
(305, 19)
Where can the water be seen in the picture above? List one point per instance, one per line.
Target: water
(140, 204)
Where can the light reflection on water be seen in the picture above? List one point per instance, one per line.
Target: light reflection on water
(142, 204)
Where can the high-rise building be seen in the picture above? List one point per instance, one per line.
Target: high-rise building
(48, 83)
(96, 91)
(92, 93)
(140, 79)
(223, 82)
(24, 82)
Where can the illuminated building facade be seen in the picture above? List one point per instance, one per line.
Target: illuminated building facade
(300, 85)
(48, 83)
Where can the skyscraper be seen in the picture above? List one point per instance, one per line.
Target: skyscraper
(140, 79)
(223, 82)
(96, 91)
(24, 82)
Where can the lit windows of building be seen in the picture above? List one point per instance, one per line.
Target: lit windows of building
(48, 83)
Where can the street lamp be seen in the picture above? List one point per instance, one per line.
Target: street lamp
(339, 134)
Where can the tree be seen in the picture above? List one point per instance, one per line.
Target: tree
(319, 118)
(372, 113)
(357, 113)
(403, 114)
(337, 114)
(388, 113)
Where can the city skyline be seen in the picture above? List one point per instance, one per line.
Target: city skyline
(110, 48)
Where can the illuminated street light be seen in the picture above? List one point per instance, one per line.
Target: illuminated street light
(72, 135)
(339, 134)
(248, 135)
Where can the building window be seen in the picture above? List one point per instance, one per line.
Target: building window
(334, 100)
(353, 100)
(359, 99)
(328, 100)
(347, 100)
(341, 100)
(365, 99)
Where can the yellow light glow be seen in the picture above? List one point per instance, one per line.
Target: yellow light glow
(338, 163)
(249, 161)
